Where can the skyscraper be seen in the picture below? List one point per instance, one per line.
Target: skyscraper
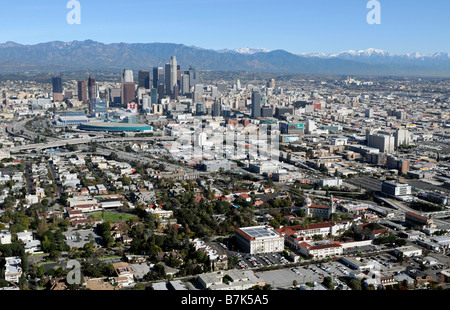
(178, 75)
(144, 79)
(158, 76)
(216, 107)
(128, 87)
(82, 91)
(256, 104)
(193, 79)
(161, 90)
(129, 93)
(128, 76)
(92, 92)
(173, 72)
(57, 89)
(154, 96)
(167, 83)
(185, 83)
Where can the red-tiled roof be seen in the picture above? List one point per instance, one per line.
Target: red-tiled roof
(244, 234)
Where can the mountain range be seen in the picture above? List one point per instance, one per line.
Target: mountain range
(57, 56)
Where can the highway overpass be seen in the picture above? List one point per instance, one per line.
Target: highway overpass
(62, 143)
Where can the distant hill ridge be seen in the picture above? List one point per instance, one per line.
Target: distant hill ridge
(91, 55)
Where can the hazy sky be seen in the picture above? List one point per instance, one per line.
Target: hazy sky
(294, 25)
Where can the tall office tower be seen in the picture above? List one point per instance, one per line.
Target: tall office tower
(146, 103)
(158, 76)
(173, 73)
(176, 92)
(128, 88)
(161, 91)
(271, 83)
(92, 93)
(184, 87)
(214, 92)
(129, 93)
(167, 76)
(238, 84)
(178, 75)
(256, 104)
(57, 89)
(128, 76)
(144, 79)
(216, 107)
(193, 78)
(82, 91)
(154, 96)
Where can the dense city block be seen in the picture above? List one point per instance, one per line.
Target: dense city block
(173, 178)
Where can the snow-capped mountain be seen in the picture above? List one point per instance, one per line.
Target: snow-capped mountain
(373, 53)
(91, 55)
(245, 50)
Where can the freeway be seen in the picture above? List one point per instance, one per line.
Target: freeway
(403, 208)
(64, 142)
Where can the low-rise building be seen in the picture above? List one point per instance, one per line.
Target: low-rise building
(5, 237)
(13, 269)
(408, 251)
(318, 249)
(229, 280)
(416, 220)
(125, 276)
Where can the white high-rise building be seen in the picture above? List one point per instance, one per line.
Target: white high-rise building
(146, 103)
(310, 126)
(402, 137)
(173, 72)
(128, 76)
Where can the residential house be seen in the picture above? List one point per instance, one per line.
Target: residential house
(124, 275)
(5, 237)
(13, 269)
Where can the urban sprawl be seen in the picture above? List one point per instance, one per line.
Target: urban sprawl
(171, 179)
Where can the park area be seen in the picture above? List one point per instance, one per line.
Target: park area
(113, 217)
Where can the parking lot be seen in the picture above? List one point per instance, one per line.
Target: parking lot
(259, 260)
(284, 278)
(73, 241)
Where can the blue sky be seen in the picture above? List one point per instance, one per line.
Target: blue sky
(297, 26)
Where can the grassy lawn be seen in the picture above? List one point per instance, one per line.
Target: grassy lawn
(113, 217)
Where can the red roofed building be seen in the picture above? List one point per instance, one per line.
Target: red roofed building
(323, 211)
(323, 229)
(414, 219)
(245, 197)
(318, 249)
